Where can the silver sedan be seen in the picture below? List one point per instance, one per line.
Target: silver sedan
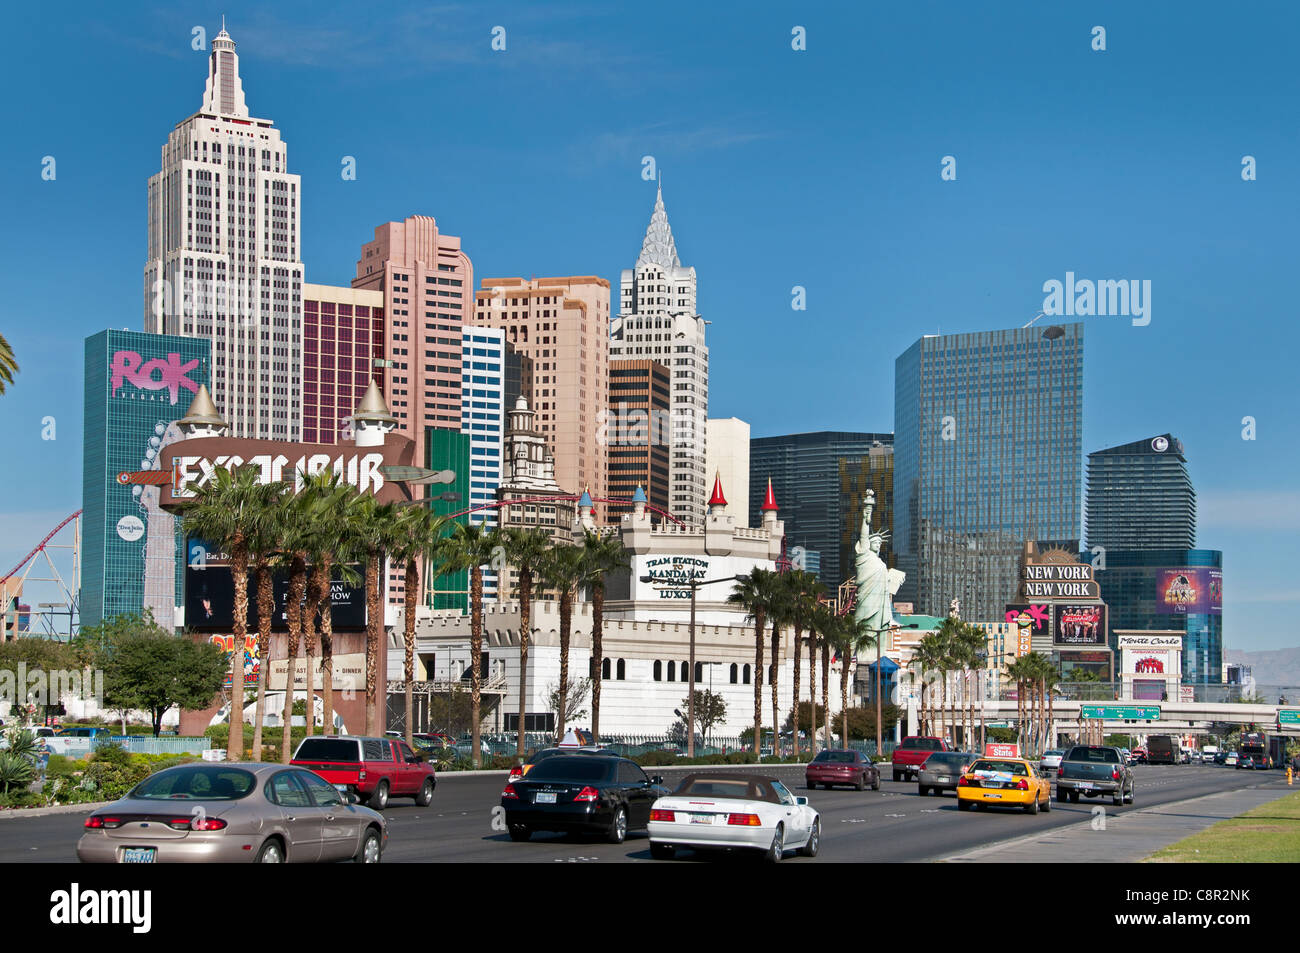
(233, 813)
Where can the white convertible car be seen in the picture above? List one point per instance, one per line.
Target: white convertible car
(726, 811)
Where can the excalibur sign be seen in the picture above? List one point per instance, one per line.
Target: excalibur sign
(417, 476)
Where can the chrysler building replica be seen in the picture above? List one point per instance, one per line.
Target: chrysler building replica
(657, 321)
(224, 261)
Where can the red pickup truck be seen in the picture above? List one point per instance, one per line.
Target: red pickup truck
(911, 754)
(372, 768)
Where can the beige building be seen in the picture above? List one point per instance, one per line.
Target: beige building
(562, 325)
(727, 443)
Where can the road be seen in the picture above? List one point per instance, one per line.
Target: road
(894, 824)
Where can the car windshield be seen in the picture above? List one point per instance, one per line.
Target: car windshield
(1001, 767)
(743, 788)
(1053, 754)
(327, 749)
(573, 768)
(1094, 755)
(836, 757)
(196, 782)
(943, 760)
(923, 744)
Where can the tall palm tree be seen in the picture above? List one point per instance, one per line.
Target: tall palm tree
(523, 551)
(804, 591)
(602, 555)
(471, 547)
(779, 614)
(755, 593)
(8, 365)
(296, 540)
(264, 545)
(928, 657)
(335, 552)
(375, 531)
(225, 514)
(562, 570)
(417, 533)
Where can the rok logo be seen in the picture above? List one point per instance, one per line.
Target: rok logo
(158, 374)
(80, 907)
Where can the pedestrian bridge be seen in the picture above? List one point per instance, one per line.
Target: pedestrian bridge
(1184, 717)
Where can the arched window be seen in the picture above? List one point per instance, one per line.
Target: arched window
(659, 671)
(672, 671)
(604, 668)
(684, 670)
(699, 672)
(735, 672)
(746, 679)
(622, 670)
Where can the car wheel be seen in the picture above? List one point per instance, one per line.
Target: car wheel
(425, 797)
(1118, 798)
(922, 790)
(964, 805)
(980, 805)
(777, 848)
(1032, 806)
(1130, 797)
(814, 840)
(370, 848)
(1047, 802)
(520, 832)
(828, 787)
(875, 785)
(862, 783)
(1061, 797)
(662, 851)
(898, 775)
(812, 785)
(272, 852)
(379, 798)
(618, 825)
(1074, 797)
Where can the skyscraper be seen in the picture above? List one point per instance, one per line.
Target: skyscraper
(343, 339)
(873, 471)
(224, 259)
(137, 386)
(658, 321)
(1140, 496)
(560, 323)
(637, 428)
(427, 282)
(482, 418)
(987, 454)
(805, 473)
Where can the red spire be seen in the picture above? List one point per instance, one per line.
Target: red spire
(717, 499)
(769, 501)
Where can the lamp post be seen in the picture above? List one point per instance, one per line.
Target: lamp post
(690, 699)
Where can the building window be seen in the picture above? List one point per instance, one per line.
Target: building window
(672, 671)
(735, 671)
(659, 671)
(604, 668)
(622, 670)
(699, 672)
(746, 674)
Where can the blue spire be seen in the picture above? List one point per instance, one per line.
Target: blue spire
(639, 495)
(585, 499)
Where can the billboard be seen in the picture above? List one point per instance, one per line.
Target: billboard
(1037, 617)
(210, 601)
(1080, 625)
(1191, 590)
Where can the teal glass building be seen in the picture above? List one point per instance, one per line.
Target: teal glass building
(136, 386)
(988, 452)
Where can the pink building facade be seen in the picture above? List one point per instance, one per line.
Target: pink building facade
(344, 335)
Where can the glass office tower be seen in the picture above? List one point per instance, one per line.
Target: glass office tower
(987, 454)
(1140, 496)
(805, 473)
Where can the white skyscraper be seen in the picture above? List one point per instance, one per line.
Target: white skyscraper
(657, 320)
(224, 254)
(483, 417)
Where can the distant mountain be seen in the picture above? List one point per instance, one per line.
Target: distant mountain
(1275, 667)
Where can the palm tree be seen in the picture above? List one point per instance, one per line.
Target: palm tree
(562, 569)
(8, 365)
(804, 591)
(817, 623)
(756, 593)
(524, 550)
(601, 555)
(296, 539)
(928, 657)
(264, 544)
(779, 613)
(334, 542)
(417, 533)
(377, 532)
(852, 639)
(225, 514)
(470, 547)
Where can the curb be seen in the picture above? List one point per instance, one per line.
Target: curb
(1027, 838)
(60, 809)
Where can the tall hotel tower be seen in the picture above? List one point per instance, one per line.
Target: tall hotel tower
(225, 256)
(657, 321)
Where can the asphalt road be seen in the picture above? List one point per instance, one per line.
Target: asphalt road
(894, 824)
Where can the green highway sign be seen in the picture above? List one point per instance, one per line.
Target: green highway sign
(1121, 712)
(1289, 717)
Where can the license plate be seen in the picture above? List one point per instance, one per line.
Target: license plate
(341, 788)
(945, 778)
(994, 797)
(139, 855)
(544, 797)
(1085, 786)
(701, 818)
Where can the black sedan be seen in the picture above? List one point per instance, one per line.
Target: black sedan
(581, 794)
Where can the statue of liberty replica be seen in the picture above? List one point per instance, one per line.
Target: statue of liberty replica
(877, 583)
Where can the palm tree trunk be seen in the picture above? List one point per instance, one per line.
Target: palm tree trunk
(776, 675)
(239, 631)
(566, 621)
(812, 693)
(759, 620)
(525, 596)
(265, 606)
(309, 642)
(410, 583)
(844, 699)
(597, 651)
(374, 636)
(475, 655)
(794, 693)
(293, 609)
(327, 649)
(826, 690)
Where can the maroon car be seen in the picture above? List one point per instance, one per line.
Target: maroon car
(372, 768)
(842, 766)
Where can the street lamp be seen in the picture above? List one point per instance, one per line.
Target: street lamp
(690, 702)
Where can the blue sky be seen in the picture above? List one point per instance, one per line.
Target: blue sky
(818, 168)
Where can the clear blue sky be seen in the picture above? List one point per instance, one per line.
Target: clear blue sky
(818, 168)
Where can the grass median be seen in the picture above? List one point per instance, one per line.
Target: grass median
(1269, 833)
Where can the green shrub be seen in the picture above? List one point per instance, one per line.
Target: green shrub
(63, 767)
(656, 758)
(111, 754)
(22, 798)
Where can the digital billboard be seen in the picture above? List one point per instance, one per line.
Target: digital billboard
(1036, 617)
(1193, 590)
(1080, 625)
(210, 601)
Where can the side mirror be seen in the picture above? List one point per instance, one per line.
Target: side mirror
(352, 798)
(657, 779)
(801, 801)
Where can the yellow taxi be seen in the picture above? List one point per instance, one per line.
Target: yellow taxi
(1004, 782)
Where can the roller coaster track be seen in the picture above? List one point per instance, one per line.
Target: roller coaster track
(40, 547)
